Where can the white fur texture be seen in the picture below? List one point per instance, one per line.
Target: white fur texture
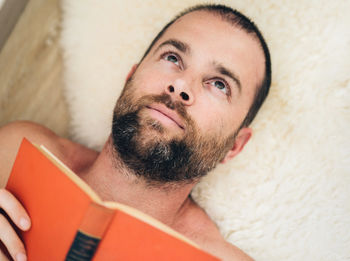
(287, 195)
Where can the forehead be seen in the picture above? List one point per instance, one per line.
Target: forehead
(213, 40)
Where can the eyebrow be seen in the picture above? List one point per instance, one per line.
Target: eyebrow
(224, 71)
(181, 46)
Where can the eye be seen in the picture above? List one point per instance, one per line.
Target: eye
(221, 85)
(171, 57)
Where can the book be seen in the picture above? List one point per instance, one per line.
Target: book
(71, 222)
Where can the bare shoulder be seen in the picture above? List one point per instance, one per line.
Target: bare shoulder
(13, 133)
(202, 230)
(11, 136)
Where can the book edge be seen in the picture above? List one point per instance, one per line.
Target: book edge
(68, 172)
(151, 221)
(111, 204)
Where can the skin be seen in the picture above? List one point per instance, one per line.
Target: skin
(211, 42)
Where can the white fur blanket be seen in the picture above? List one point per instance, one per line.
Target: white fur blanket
(287, 195)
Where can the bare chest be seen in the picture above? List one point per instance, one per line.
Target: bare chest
(196, 225)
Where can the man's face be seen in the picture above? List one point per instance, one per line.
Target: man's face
(179, 114)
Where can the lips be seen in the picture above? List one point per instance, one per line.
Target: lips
(172, 115)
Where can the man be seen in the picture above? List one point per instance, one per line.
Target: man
(184, 108)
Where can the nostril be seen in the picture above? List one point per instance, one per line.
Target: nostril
(171, 89)
(184, 96)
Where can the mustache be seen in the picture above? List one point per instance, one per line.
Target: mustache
(166, 100)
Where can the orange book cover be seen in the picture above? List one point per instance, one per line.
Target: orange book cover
(70, 221)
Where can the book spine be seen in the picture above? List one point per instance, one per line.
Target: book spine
(91, 230)
(83, 247)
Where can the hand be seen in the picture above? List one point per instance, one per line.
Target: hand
(15, 211)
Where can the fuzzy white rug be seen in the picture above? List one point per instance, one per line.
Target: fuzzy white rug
(287, 196)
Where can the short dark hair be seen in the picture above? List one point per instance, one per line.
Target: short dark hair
(237, 19)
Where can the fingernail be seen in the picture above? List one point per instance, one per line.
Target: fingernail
(21, 257)
(24, 223)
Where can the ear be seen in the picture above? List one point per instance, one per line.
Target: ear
(131, 72)
(242, 138)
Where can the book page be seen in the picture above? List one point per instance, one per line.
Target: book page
(74, 177)
(149, 220)
(114, 205)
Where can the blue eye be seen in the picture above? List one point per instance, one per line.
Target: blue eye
(171, 58)
(220, 85)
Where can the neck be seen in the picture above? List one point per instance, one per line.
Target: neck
(113, 181)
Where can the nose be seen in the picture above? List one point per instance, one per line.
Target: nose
(180, 92)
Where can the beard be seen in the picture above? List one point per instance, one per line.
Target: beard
(157, 153)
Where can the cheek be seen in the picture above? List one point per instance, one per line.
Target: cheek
(153, 79)
(146, 84)
(211, 119)
(214, 118)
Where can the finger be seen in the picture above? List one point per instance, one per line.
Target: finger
(3, 257)
(14, 209)
(11, 240)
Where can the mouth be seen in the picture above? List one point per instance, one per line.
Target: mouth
(165, 114)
